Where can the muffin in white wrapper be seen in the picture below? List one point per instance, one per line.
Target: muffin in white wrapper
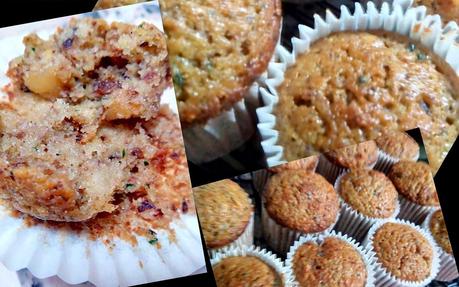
(413, 212)
(398, 18)
(264, 255)
(448, 268)
(354, 223)
(280, 238)
(245, 239)
(382, 276)
(385, 161)
(332, 171)
(367, 257)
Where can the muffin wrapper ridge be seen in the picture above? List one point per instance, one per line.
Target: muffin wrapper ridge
(397, 17)
(386, 161)
(266, 256)
(318, 239)
(448, 268)
(413, 212)
(280, 238)
(384, 277)
(75, 258)
(245, 239)
(332, 171)
(354, 223)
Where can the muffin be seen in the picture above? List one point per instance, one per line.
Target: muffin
(105, 4)
(306, 164)
(398, 145)
(225, 213)
(67, 149)
(447, 9)
(404, 253)
(331, 261)
(415, 184)
(367, 196)
(435, 224)
(352, 86)
(296, 202)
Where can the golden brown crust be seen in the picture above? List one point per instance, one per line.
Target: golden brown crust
(352, 86)
(369, 192)
(301, 200)
(447, 9)
(236, 271)
(398, 145)
(105, 4)
(332, 263)
(307, 164)
(224, 210)
(439, 232)
(414, 181)
(403, 251)
(355, 156)
(214, 65)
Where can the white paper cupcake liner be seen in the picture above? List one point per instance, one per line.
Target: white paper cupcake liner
(354, 223)
(332, 171)
(367, 256)
(266, 256)
(413, 212)
(382, 276)
(386, 161)
(448, 268)
(245, 239)
(397, 17)
(280, 238)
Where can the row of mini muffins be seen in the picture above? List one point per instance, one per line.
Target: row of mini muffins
(394, 253)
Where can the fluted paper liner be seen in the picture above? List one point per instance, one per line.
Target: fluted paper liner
(413, 212)
(367, 256)
(448, 268)
(354, 223)
(397, 17)
(386, 161)
(74, 257)
(266, 256)
(382, 276)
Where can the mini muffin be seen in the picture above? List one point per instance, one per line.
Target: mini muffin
(447, 9)
(306, 164)
(224, 211)
(214, 65)
(437, 228)
(350, 87)
(296, 202)
(105, 4)
(333, 262)
(404, 252)
(398, 145)
(360, 155)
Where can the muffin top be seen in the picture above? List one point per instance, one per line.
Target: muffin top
(224, 210)
(369, 192)
(398, 145)
(350, 87)
(301, 200)
(307, 164)
(214, 65)
(354, 156)
(403, 251)
(332, 263)
(447, 9)
(105, 4)
(414, 181)
(236, 271)
(437, 227)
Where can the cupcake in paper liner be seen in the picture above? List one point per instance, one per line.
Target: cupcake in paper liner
(215, 77)
(330, 259)
(367, 196)
(404, 254)
(226, 215)
(237, 266)
(297, 202)
(260, 177)
(415, 184)
(341, 84)
(336, 162)
(435, 224)
(393, 147)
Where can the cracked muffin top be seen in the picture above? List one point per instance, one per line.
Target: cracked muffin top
(307, 164)
(369, 192)
(334, 262)
(213, 65)
(235, 271)
(398, 145)
(352, 86)
(301, 201)
(355, 156)
(439, 232)
(414, 181)
(403, 251)
(224, 211)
